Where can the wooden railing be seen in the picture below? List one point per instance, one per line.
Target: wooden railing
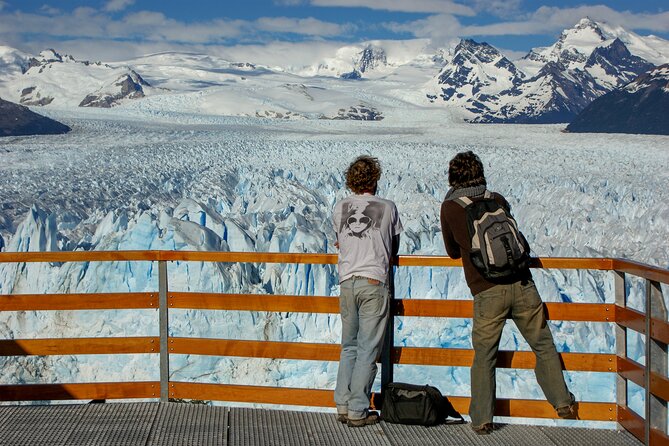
(652, 376)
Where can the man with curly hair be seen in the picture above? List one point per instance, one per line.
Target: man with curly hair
(515, 297)
(368, 229)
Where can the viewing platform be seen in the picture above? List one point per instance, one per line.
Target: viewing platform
(180, 424)
(164, 422)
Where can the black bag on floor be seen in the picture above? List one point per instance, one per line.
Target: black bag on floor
(412, 404)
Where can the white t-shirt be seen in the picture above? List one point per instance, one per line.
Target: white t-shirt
(365, 226)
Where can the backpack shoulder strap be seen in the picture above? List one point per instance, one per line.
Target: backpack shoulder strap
(463, 201)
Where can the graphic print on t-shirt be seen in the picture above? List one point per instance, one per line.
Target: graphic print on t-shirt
(360, 219)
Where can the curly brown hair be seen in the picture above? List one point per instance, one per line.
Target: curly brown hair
(363, 174)
(466, 170)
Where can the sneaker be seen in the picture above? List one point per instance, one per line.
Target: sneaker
(568, 412)
(483, 429)
(371, 418)
(342, 418)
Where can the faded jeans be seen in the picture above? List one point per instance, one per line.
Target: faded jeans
(491, 307)
(364, 307)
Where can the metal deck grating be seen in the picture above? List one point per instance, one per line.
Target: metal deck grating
(190, 425)
(115, 424)
(270, 427)
(462, 435)
(577, 435)
(183, 424)
(39, 425)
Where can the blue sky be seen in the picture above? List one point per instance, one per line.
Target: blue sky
(117, 29)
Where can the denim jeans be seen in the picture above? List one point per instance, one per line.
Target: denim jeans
(364, 307)
(491, 308)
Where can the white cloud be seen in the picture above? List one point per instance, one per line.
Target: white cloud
(81, 22)
(498, 8)
(156, 27)
(150, 26)
(556, 17)
(419, 6)
(289, 2)
(272, 54)
(118, 5)
(512, 54)
(280, 54)
(49, 10)
(544, 21)
(551, 19)
(106, 50)
(308, 26)
(440, 28)
(2, 5)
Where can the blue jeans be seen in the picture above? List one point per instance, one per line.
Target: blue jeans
(364, 307)
(491, 309)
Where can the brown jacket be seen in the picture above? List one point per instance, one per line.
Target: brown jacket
(458, 244)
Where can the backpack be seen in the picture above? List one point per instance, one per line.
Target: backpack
(499, 250)
(414, 404)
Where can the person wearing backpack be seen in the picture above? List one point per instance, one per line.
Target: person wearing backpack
(368, 232)
(478, 227)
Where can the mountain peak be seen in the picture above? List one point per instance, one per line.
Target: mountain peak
(475, 74)
(475, 52)
(586, 22)
(50, 55)
(585, 32)
(371, 57)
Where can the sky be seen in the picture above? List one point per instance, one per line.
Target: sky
(266, 31)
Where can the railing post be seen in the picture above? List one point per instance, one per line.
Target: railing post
(389, 343)
(163, 323)
(621, 339)
(656, 359)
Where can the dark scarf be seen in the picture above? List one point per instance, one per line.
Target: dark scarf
(474, 191)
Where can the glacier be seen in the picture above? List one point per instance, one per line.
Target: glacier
(140, 179)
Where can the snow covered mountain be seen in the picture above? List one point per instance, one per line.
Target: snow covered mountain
(613, 65)
(131, 86)
(549, 85)
(475, 75)
(52, 78)
(554, 95)
(575, 45)
(370, 58)
(641, 106)
(473, 80)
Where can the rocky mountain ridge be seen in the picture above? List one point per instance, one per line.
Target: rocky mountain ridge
(549, 85)
(61, 79)
(18, 120)
(641, 106)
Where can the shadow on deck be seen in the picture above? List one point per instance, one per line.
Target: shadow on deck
(176, 424)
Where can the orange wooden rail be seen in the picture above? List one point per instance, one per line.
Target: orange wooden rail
(79, 391)
(79, 346)
(401, 307)
(314, 259)
(88, 301)
(624, 317)
(590, 362)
